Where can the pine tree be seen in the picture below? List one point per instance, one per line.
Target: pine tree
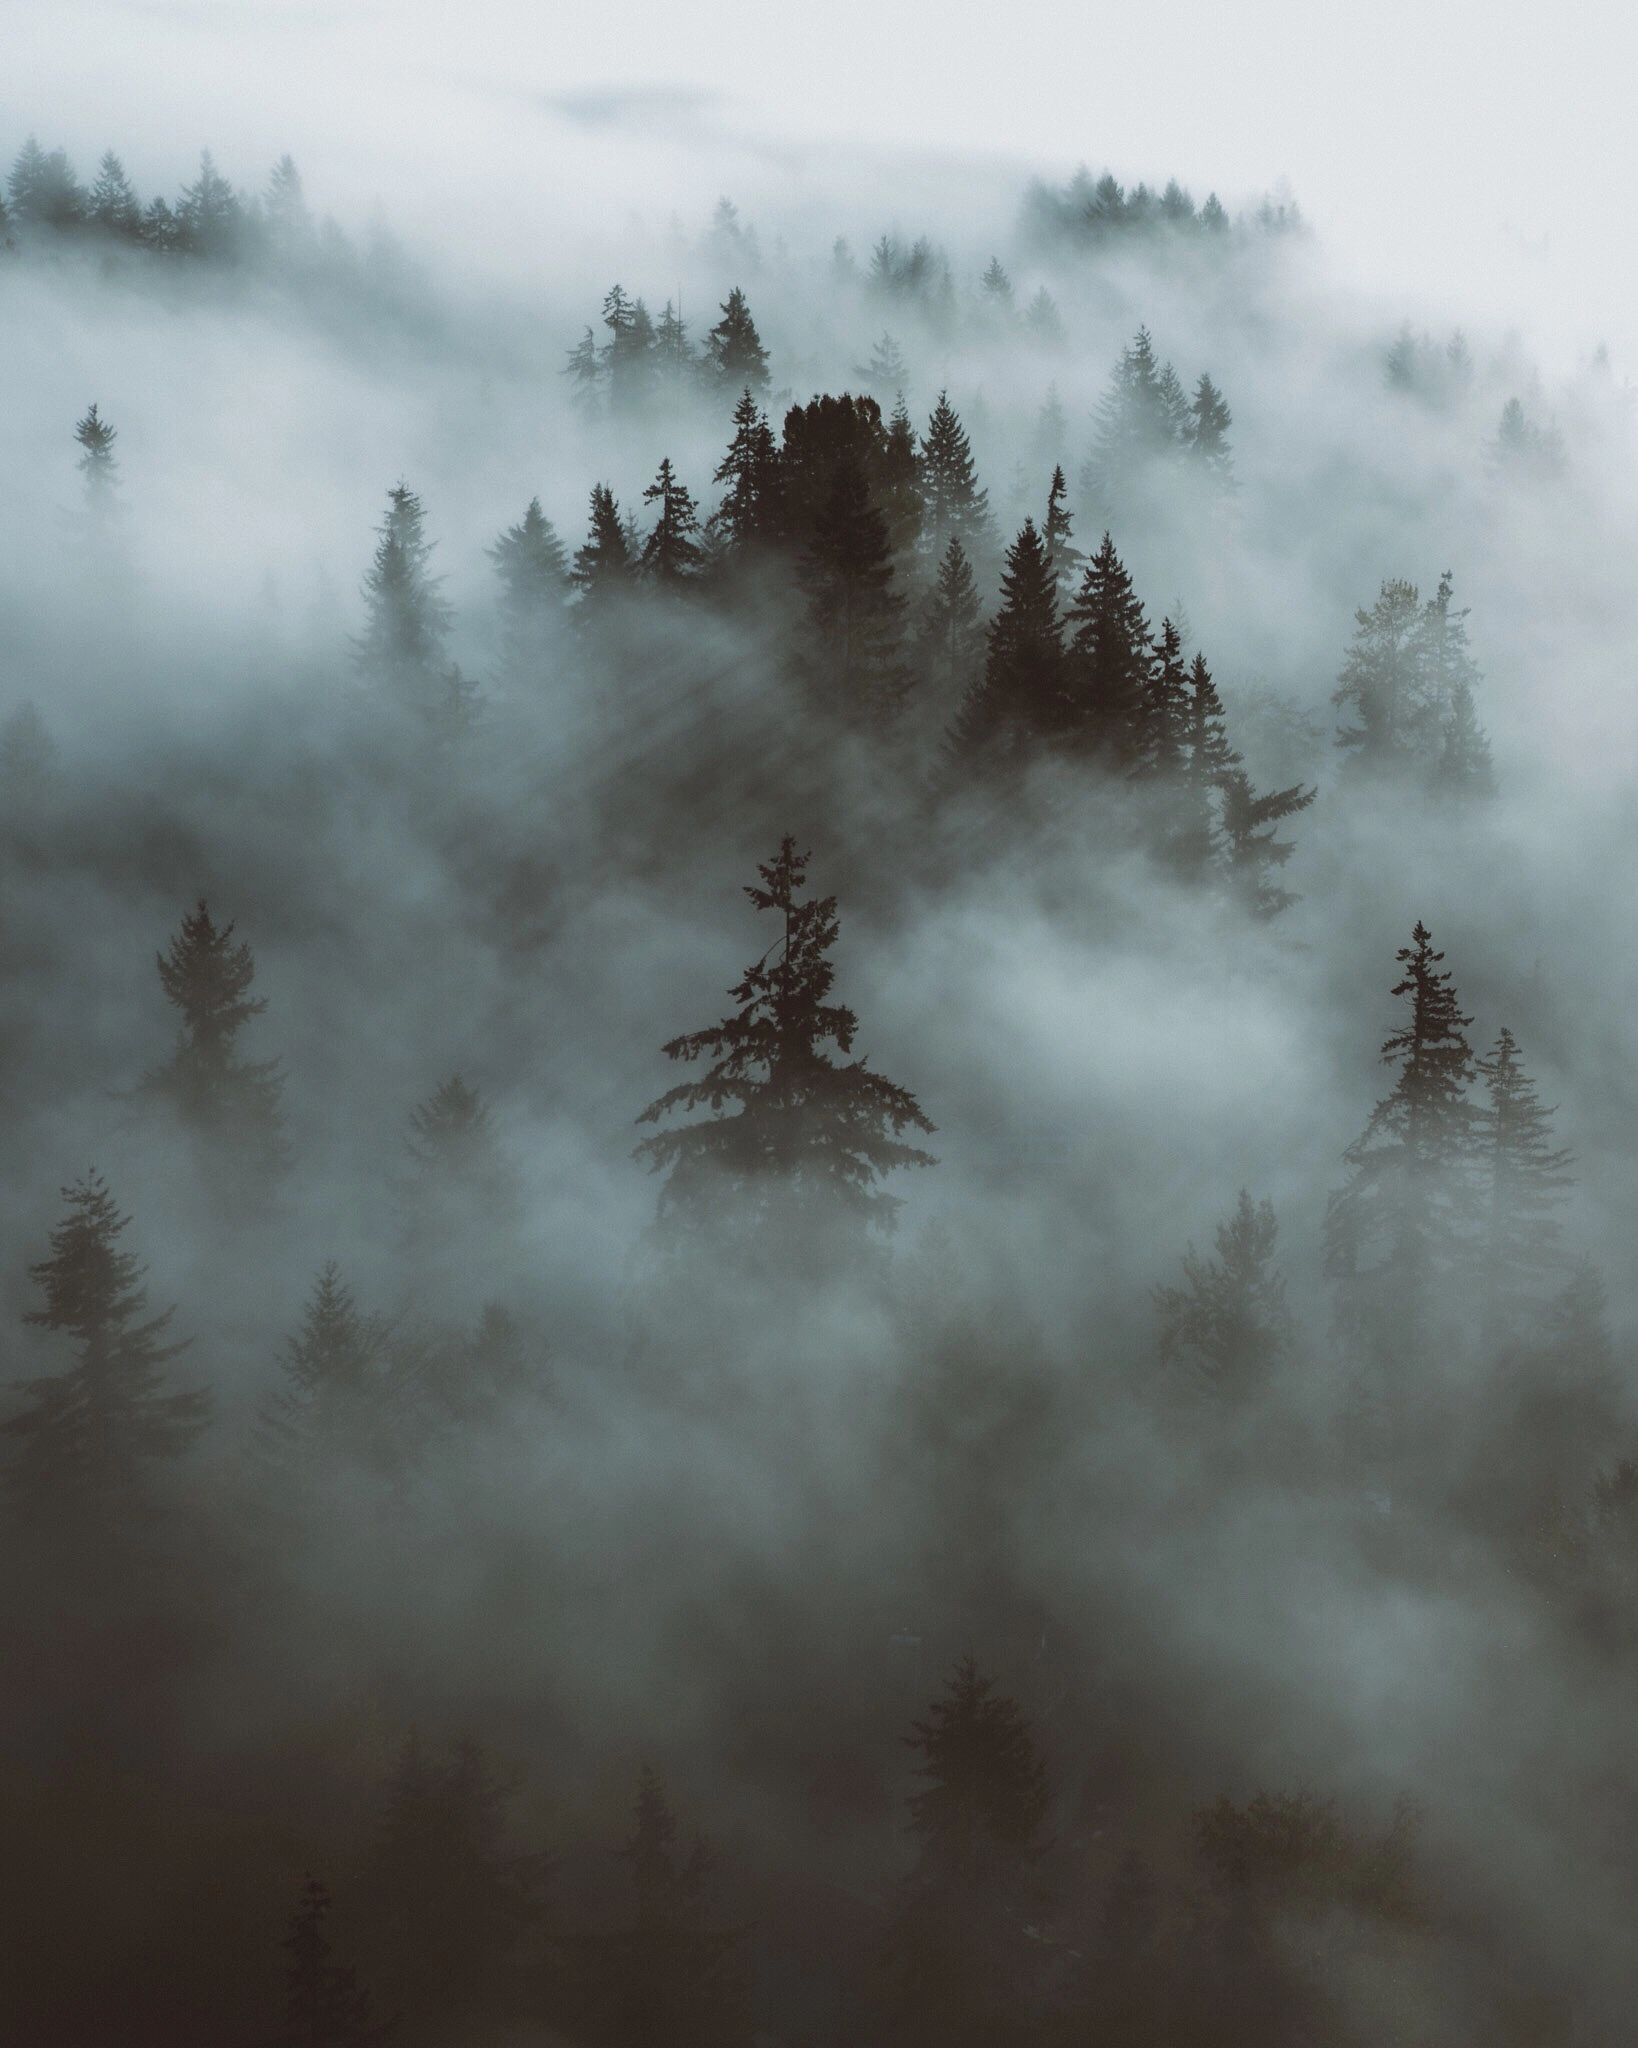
(210, 218)
(1251, 852)
(1229, 1318)
(855, 613)
(751, 512)
(1524, 1179)
(667, 1975)
(333, 1391)
(44, 190)
(1068, 562)
(734, 356)
(674, 363)
(950, 633)
(233, 1102)
(952, 502)
(113, 207)
(1140, 417)
(806, 1139)
(898, 485)
(323, 2006)
(1164, 712)
(585, 369)
(461, 1175)
(406, 631)
(627, 357)
(99, 467)
(671, 557)
(1018, 702)
(1206, 434)
(534, 573)
(1385, 680)
(159, 226)
(1207, 759)
(603, 567)
(1401, 1225)
(1111, 661)
(85, 1445)
(284, 209)
(962, 1950)
(1447, 674)
(1465, 768)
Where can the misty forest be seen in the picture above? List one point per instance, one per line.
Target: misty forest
(820, 1113)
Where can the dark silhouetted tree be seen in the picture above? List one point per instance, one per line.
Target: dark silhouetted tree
(1163, 711)
(995, 290)
(1017, 703)
(112, 206)
(44, 190)
(1058, 533)
(85, 1446)
(952, 502)
(1206, 431)
(1207, 759)
(333, 1393)
(734, 355)
(1229, 1318)
(962, 1950)
(950, 631)
(751, 512)
(855, 612)
(404, 645)
(898, 484)
(1252, 853)
(793, 1134)
(1110, 662)
(323, 2006)
(671, 557)
(534, 573)
(1384, 682)
(1524, 1179)
(603, 569)
(209, 216)
(98, 464)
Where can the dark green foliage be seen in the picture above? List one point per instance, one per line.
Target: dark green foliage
(1058, 533)
(671, 557)
(1229, 1318)
(953, 505)
(626, 361)
(667, 1975)
(802, 1137)
(84, 1447)
(1207, 758)
(751, 514)
(406, 631)
(208, 978)
(734, 355)
(323, 2006)
(962, 1952)
(603, 567)
(855, 612)
(898, 485)
(950, 632)
(1018, 702)
(1251, 851)
(821, 438)
(1111, 662)
(1164, 711)
(1524, 1179)
(534, 573)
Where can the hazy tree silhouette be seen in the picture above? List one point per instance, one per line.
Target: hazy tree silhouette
(672, 556)
(1018, 701)
(1524, 1179)
(323, 2006)
(404, 645)
(1111, 659)
(1229, 1318)
(534, 573)
(734, 355)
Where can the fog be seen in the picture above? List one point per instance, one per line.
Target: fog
(1313, 1596)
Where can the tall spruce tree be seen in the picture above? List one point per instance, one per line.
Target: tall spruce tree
(751, 513)
(1068, 562)
(85, 1446)
(404, 645)
(1205, 434)
(950, 631)
(604, 569)
(534, 574)
(323, 2006)
(1163, 711)
(794, 1136)
(1252, 853)
(667, 1975)
(112, 207)
(1207, 759)
(672, 556)
(1229, 1319)
(333, 1396)
(1524, 1179)
(1385, 682)
(1454, 742)
(855, 611)
(98, 465)
(44, 190)
(962, 1951)
(734, 356)
(1018, 703)
(210, 216)
(1110, 662)
(898, 484)
(953, 504)
(1140, 418)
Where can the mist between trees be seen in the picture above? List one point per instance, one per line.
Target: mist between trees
(820, 1139)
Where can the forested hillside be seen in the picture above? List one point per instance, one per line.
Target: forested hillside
(818, 1073)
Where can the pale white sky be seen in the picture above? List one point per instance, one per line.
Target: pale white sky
(1477, 154)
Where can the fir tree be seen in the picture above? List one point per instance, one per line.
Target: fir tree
(1111, 661)
(159, 226)
(1207, 759)
(1251, 851)
(671, 557)
(284, 209)
(1140, 417)
(1018, 701)
(113, 207)
(230, 1101)
(898, 484)
(323, 2006)
(603, 567)
(952, 501)
(996, 289)
(332, 1396)
(734, 355)
(44, 190)
(855, 612)
(534, 574)
(1384, 679)
(1164, 711)
(674, 362)
(793, 1133)
(585, 370)
(667, 1975)
(1524, 1178)
(1229, 1318)
(86, 1443)
(751, 512)
(962, 1949)
(1043, 321)
(1447, 674)
(627, 358)
(98, 464)
(1058, 533)
(1206, 432)
(950, 632)
(886, 370)
(407, 624)
(1401, 1225)
(210, 218)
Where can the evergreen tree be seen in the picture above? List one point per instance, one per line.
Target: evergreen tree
(671, 557)
(952, 503)
(820, 439)
(456, 1153)
(284, 209)
(1465, 767)
(855, 613)
(898, 484)
(1043, 321)
(1207, 759)
(1206, 433)
(1018, 701)
(806, 1137)
(1251, 852)
(112, 206)
(1164, 712)
(1111, 661)
(627, 357)
(751, 512)
(1447, 675)
(406, 631)
(1140, 417)
(962, 1949)
(1229, 1318)
(1524, 1179)
(86, 1443)
(950, 633)
(44, 190)
(886, 370)
(1068, 562)
(1400, 1227)
(995, 288)
(160, 230)
(603, 567)
(585, 369)
(667, 1976)
(674, 363)
(333, 1391)
(98, 465)
(449, 1905)
(323, 2006)
(1385, 680)
(734, 356)
(210, 218)
(534, 573)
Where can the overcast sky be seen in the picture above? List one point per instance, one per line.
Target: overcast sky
(1478, 156)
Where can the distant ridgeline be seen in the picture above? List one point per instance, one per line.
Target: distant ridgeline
(1088, 212)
